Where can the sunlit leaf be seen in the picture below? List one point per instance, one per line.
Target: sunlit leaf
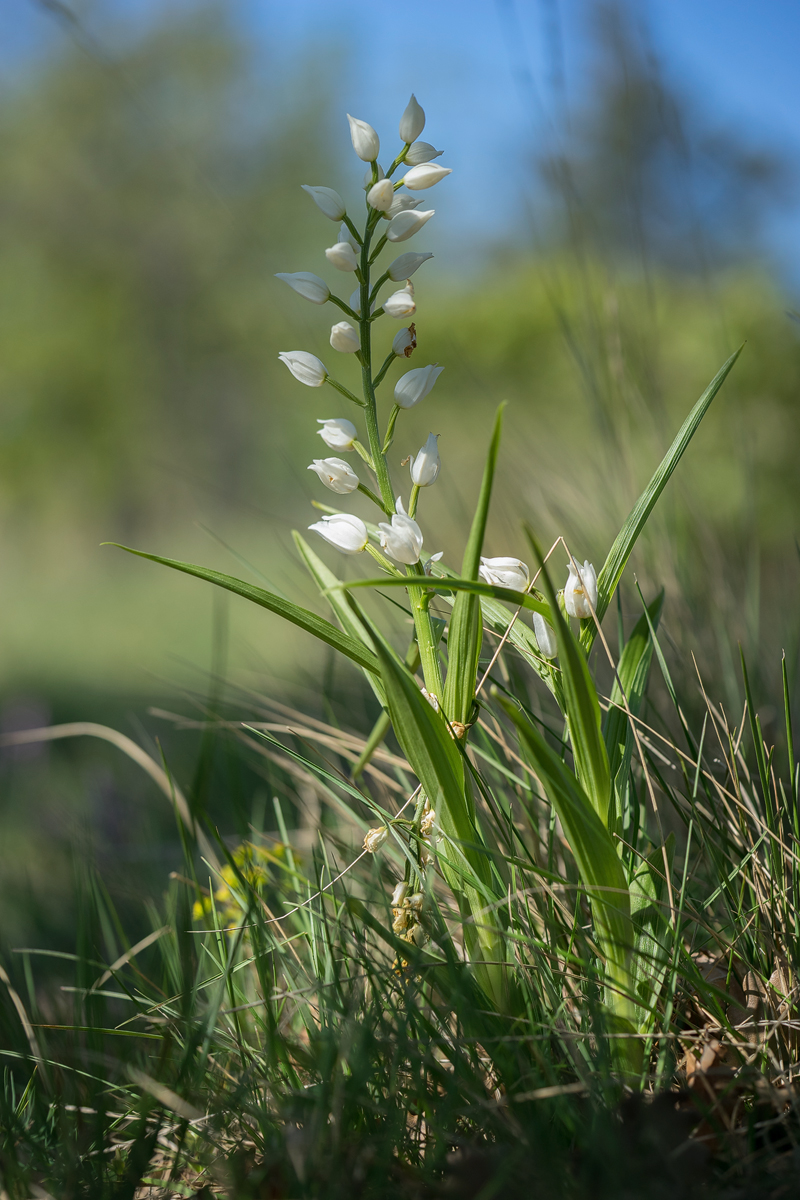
(620, 552)
(302, 617)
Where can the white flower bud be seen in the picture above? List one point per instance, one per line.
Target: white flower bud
(344, 531)
(426, 466)
(402, 540)
(422, 152)
(505, 572)
(338, 433)
(327, 201)
(375, 838)
(381, 195)
(305, 367)
(342, 256)
(405, 266)
(416, 901)
(336, 474)
(405, 342)
(399, 893)
(545, 637)
(434, 558)
(402, 203)
(346, 236)
(368, 176)
(412, 121)
(307, 285)
(432, 700)
(366, 142)
(405, 224)
(401, 304)
(415, 385)
(580, 593)
(425, 176)
(345, 338)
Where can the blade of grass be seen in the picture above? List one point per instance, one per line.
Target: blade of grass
(593, 849)
(582, 704)
(620, 552)
(466, 631)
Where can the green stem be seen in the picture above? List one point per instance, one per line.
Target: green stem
(375, 499)
(344, 307)
(341, 388)
(418, 597)
(387, 441)
(370, 405)
(377, 250)
(378, 287)
(382, 559)
(352, 228)
(401, 158)
(364, 453)
(412, 504)
(378, 380)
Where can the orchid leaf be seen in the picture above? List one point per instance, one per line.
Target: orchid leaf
(599, 865)
(581, 703)
(302, 617)
(344, 606)
(620, 552)
(466, 629)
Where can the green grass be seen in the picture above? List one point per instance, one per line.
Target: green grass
(298, 1057)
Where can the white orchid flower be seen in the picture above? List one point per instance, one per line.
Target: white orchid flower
(424, 176)
(344, 531)
(327, 201)
(305, 367)
(505, 572)
(366, 142)
(345, 338)
(402, 540)
(337, 432)
(580, 593)
(307, 285)
(412, 121)
(336, 474)
(427, 464)
(415, 385)
(545, 637)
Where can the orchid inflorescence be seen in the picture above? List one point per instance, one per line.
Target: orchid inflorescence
(392, 215)
(400, 537)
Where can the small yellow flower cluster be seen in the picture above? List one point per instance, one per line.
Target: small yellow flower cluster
(253, 863)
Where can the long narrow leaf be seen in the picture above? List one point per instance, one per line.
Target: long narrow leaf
(582, 704)
(466, 631)
(632, 671)
(343, 605)
(455, 584)
(318, 626)
(592, 846)
(652, 932)
(620, 552)
(434, 757)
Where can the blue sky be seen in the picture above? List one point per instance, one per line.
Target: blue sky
(497, 77)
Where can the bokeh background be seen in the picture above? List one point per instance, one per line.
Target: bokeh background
(623, 213)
